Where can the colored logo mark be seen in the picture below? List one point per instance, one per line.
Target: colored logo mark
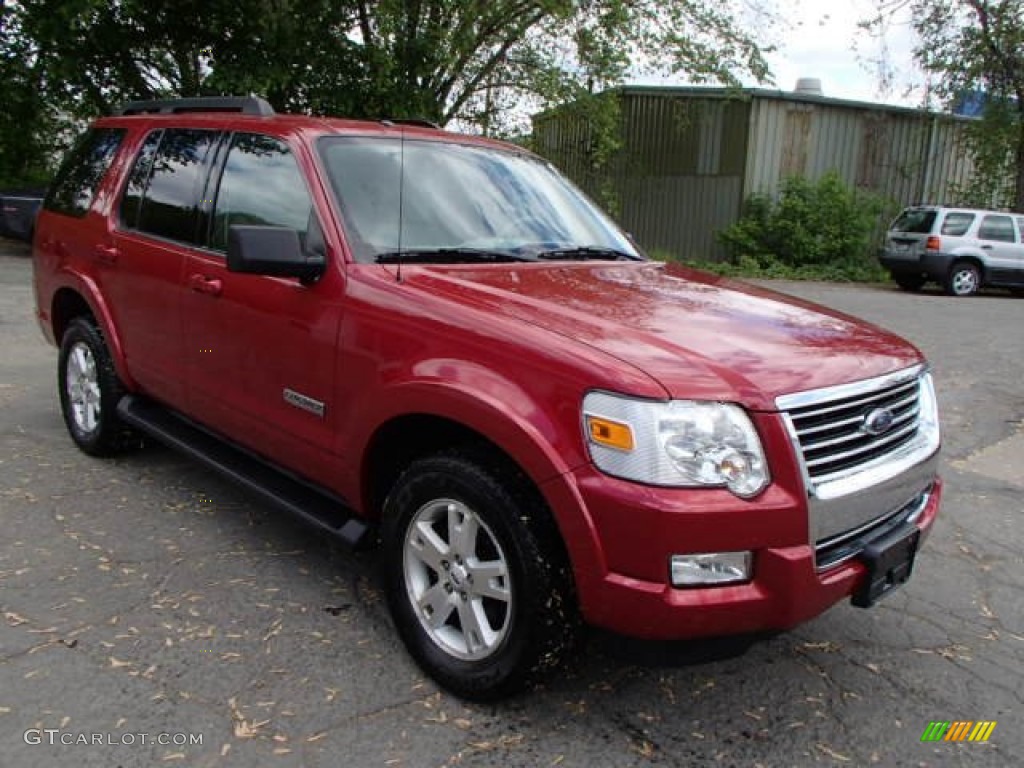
(958, 730)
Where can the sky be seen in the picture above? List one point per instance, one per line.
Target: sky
(824, 41)
(821, 38)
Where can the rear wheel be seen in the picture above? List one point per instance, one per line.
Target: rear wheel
(90, 390)
(477, 584)
(964, 279)
(910, 282)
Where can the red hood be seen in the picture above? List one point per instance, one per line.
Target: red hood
(700, 336)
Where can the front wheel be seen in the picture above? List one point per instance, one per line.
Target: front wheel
(476, 582)
(964, 279)
(89, 390)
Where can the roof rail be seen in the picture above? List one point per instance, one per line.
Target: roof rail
(247, 105)
(418, 122)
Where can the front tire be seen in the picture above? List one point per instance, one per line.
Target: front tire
(90, 390)
(964, 279)
(477, 581)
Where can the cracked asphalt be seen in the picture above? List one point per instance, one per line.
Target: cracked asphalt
(144, 598)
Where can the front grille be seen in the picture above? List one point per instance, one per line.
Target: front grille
(831, 430)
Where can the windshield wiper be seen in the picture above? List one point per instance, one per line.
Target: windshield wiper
(447, 256)
(587, 252)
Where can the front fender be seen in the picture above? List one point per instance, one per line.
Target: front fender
(543, 438)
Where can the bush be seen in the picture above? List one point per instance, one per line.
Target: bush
(815, 229)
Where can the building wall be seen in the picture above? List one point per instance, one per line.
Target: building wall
(905, 156)
(689, 157)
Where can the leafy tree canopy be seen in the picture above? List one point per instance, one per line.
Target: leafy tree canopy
(444, 60)
(977, 47)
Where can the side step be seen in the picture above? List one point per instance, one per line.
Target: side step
(320, 508)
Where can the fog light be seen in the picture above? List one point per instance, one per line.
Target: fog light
(710, 569)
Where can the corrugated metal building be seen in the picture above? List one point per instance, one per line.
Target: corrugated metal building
(690, 156)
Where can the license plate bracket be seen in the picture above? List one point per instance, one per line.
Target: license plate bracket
(889, 560)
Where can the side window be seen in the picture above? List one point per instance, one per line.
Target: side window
(957, 223)
(74, 187)
(998, 228)
(170, 202)
(137, 180)
(261, 184)
(1020, 228)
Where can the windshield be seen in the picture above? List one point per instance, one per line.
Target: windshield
(444, 199)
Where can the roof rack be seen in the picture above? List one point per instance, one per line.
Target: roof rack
(418, 122)
(247, 105)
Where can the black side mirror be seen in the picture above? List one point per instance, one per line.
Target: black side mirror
(273, 251)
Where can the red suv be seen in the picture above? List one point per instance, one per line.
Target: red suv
(434, 342)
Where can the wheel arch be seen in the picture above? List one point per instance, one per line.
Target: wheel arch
(455, 422)
(71, 301)
(971, 258)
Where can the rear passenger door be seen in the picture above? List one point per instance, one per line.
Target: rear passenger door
(260, 350)
(158, 226)
(999, 238)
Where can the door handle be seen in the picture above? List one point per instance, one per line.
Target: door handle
(106, 254)
(208, 285)
(986, 247)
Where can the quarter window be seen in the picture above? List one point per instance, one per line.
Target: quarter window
(957, 224)
(262, 185)
(170, 202)
(74, 188)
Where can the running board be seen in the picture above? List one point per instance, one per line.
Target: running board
(317, 507)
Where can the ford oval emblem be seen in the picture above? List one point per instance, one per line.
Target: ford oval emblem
(878, 422)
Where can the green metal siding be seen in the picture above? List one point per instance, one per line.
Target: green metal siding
(690, 156)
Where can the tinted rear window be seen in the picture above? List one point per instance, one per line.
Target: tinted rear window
(915, 220)
(171, 201)
(74, 187)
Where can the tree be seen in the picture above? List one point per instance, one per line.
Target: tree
(977, 47)
(438, 59)
(26, 121)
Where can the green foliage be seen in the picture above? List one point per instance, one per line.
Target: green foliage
(26, 121)
(468, 60)
(816, 230)
(977, 46)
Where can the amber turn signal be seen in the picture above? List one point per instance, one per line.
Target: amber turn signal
(612, 434)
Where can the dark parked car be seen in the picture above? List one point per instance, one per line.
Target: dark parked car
(18, 209)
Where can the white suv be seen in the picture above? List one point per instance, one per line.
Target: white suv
(962, 249)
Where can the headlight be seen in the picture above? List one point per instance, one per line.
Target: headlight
(681, 443)
(929, 414)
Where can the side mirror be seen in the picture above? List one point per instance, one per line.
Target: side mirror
(273, 251)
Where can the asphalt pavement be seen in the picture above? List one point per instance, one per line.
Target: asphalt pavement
(153, 614)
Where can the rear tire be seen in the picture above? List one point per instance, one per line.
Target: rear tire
(910, 283)
(964, 279)
(477, 581)
(90, 390)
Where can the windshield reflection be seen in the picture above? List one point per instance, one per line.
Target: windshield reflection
(414, 196)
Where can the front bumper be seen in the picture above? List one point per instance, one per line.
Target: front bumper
(635, 598)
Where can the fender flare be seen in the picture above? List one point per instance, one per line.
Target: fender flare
(90, 293)
(503, 413)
